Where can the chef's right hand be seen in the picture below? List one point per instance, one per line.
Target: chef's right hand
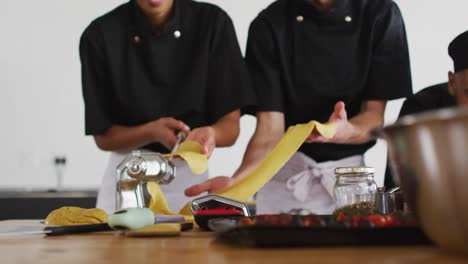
(214, 185)
(164, 130)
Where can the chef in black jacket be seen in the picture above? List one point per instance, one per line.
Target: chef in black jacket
(443, 95)
(151, 68)
(325, 60)
(431, 98)
(458, 80)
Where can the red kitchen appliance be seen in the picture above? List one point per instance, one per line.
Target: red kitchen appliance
(214, 206)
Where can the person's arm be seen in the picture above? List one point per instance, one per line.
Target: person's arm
(221, 134)
(228, 89)
(389, 78)
(357, 129)
(264, 67)
(269, 130)
(227, 129)
(123, 138)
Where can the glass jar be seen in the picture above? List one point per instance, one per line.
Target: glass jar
(354, 185)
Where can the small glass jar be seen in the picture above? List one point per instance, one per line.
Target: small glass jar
(354, 185)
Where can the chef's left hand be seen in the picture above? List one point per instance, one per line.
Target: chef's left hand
(344, 129)
(206, 136)
(213, 185)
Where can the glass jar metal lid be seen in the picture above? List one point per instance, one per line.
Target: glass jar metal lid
(341, 171)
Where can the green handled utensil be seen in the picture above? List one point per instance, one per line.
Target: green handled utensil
(127, 219)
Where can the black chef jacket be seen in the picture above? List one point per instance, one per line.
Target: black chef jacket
(193, 70)
(431, 98)
(303, 62)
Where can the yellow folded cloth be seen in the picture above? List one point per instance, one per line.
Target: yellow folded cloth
(244, 189)
(67, 216)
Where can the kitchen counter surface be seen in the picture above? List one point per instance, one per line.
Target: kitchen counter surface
(195, 247)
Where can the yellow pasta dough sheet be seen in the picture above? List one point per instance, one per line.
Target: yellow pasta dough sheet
(155, 231)
(191, 152)
(294, 137)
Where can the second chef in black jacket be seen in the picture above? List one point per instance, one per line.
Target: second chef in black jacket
(325, 60)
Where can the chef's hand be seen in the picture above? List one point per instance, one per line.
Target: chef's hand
(206, 136)
(164, 130)
(213, 185)
(344, 129)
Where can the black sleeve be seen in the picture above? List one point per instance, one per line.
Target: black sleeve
(229, 86)
(411, 106)
(264, 67)
(390, 72)
(428, 99)
(95, 85)
(389, 181)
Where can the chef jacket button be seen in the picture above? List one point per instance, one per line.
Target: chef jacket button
(300, 19)
(136, 39)
(348, 19)
(177, 34)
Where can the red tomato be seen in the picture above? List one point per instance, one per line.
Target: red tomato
(310, 220)
(392, 220)
(356, 221)
(378, 220)
(246, 221)
(340, 217)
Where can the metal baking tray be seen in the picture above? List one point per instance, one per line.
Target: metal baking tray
(262, 236)
(323, 236)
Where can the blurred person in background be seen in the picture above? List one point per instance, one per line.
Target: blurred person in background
(439, 96)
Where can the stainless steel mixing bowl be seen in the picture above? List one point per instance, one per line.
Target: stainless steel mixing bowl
(429, 154)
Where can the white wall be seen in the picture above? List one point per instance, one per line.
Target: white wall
(41, 107)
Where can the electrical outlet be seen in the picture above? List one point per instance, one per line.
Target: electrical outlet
(59, 162)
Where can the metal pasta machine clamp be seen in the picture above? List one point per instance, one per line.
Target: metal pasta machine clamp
(139, 168)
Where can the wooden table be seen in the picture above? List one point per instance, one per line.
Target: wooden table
(196, 247)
